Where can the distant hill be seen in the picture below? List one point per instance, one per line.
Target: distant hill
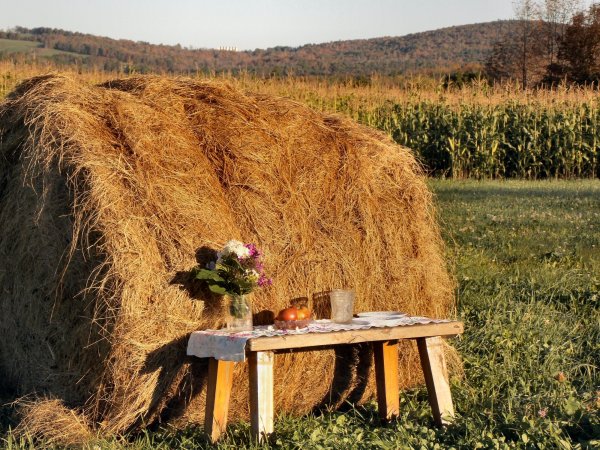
(441, 51)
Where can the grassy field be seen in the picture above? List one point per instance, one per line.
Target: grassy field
(526, 256)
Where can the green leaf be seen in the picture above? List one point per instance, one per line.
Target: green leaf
(340, 420)
(205, 274)
(315, 435)
(217, 289)
(571, 406)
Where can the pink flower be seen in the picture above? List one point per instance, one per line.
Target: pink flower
(254, 252)
(542, 412)
(264, 281)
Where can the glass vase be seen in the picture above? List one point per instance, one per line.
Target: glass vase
(239, 313)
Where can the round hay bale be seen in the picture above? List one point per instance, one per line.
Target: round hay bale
(109, 194)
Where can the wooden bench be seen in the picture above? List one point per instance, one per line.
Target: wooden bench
(261, 351)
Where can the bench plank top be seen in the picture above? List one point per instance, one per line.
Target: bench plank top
(291, 341)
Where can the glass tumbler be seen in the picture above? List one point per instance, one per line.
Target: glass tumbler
(342, 305)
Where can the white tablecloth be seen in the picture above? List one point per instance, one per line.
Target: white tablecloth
(227, 346)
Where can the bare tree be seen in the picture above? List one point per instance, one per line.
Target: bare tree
(531, 50)
(503, 62)
(556, 15)
(529, 26)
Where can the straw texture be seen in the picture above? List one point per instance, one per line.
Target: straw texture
(109, 194)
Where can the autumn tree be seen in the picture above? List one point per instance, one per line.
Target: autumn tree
(579, 51)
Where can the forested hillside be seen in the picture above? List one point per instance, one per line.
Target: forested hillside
(437, 51)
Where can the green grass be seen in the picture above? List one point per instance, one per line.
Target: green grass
(526, 256)
(14, 46)
(11, 46)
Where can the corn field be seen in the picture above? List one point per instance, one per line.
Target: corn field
(507, 140)
(473, 131)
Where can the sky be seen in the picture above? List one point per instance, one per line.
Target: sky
(249, 24)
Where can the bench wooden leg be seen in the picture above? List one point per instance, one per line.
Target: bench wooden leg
(261, 394)
(386, 378)
(220, 380)
(433, 363)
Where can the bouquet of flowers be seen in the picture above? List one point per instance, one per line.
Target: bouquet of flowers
(237, 271)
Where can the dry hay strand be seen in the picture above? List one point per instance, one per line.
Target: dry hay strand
(109, 194)
(51, 421)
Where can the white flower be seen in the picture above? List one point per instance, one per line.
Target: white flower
(234, 247)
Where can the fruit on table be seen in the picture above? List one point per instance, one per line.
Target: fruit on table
(303, 313)
(288, 314)
(292, 313)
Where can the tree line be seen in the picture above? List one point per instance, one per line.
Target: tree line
(553, 41)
